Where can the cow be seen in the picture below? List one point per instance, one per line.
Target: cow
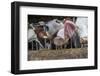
(84, 42)
(53, 27)
(58, 31)
(33, 42)
(71, 31)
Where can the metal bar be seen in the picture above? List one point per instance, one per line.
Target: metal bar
(71, 43)
(56, 47)
(45, 42)
(36, 46)
(32, 45)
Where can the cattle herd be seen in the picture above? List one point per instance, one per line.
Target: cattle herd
(55, 34)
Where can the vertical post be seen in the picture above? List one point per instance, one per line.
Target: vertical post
(64, 46)
(75, 44)
(74, 19)
(71, 43)
(32, 45)
(61, 47)
(50, 43)
(45, 42)
(56, 47)
(36, 46)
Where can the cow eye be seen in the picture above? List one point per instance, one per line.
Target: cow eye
(57, 21)
(47, 28)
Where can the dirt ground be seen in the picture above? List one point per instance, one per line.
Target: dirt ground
(75, 53)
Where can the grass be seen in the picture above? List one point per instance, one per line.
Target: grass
(74, 53)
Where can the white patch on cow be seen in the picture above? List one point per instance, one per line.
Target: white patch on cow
(61, 33)
(82, 23)
(54, 26)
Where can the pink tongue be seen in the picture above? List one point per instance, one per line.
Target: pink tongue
(69, 28)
